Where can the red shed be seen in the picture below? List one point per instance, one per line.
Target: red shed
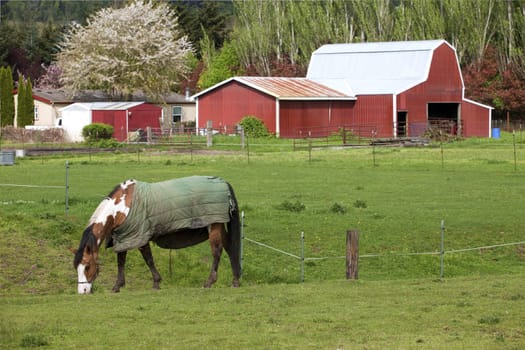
(126, 116)
(393, 88)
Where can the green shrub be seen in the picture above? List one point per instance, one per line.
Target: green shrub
(360, 204)
(338, 209)
(254, 127)
(33, 341)
(293, 207)
(96, 132)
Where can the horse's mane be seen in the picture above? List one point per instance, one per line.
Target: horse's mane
(102, 204)
(115, 189)
(89, 240)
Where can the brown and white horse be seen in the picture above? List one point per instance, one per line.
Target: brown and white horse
(115, 210)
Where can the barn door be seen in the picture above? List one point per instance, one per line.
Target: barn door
(401, 127)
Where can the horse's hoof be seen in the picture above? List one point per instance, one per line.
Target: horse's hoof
(116, 290)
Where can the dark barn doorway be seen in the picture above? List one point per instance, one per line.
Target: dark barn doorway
(444, 116)
(401, 124)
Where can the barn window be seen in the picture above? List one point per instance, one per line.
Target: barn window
(176, 114)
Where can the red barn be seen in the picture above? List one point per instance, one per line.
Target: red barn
(126, 117)
(392, 88)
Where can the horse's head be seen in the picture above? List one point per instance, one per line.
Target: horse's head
(110, 213)
(86, 261)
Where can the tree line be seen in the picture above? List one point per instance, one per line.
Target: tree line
(277, 38)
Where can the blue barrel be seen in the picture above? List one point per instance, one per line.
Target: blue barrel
(495, 133)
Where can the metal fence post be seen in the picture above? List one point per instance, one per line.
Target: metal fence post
(442, 253)
(302, 257)
(242, 240)
(67, 187)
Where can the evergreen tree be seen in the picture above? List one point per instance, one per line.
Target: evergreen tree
(29, 105)
(20, 101)
(7, 104)
(199, 19)
(25, 106)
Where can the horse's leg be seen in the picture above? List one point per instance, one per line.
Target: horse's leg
(148, 258)
(121, 264)
(215, 239)
(234, 258)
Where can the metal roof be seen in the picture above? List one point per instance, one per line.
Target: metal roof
(50, 96)
(373, 68)
(288, 88)
(90, 106)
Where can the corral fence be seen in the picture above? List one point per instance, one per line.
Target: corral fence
(314, 136)
(353, 256)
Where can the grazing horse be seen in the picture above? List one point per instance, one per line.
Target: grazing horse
(174, 214)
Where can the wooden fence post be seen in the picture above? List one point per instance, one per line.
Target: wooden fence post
(209, 133)
(352, 254)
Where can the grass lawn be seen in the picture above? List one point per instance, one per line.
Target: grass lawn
(458, 313)
(395, 197)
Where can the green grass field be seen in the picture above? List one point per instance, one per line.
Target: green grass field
(395, 197)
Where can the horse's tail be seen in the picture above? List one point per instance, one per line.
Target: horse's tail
(234, 230)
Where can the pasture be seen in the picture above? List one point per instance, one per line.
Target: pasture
(395, 197)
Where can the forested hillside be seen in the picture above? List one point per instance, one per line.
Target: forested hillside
(277, 37)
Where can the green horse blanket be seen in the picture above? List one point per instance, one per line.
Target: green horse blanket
(165, 208)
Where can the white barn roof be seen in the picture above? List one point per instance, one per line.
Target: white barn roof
(89, 106)
(373, 68)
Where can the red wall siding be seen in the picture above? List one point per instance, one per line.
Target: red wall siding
(475, 120)
(374, 112)
(115, 118)
(314, 118)
(228, 104)
(144, 115)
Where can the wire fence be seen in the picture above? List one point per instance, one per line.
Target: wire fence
(301, 257)
(441, 252)
(65, 187)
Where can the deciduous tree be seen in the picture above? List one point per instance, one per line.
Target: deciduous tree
(138, 47)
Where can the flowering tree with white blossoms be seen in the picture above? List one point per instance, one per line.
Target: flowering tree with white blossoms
(120, 51)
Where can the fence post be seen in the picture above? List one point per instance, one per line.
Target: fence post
(67, 187)
(242, 240)
(247, 138)
(309, 146)
(442, 253)
(209, 133)
(352, 254)
(302, 257)
(514, 142)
